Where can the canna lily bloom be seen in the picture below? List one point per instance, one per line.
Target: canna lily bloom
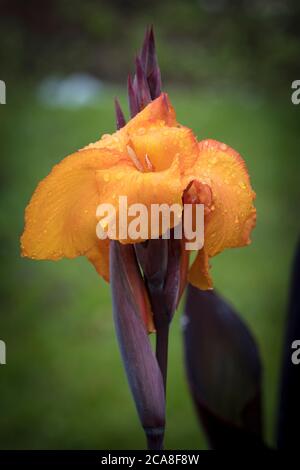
(152, 159)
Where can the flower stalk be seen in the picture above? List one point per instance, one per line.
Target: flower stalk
(162, 325)
(153, 254)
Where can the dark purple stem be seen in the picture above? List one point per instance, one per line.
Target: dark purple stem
(162, 342)
(162, 325)
(155, 438)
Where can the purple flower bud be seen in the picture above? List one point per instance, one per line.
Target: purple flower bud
(143, 373)
(224, 371)
(143, 92)
(120, 118)
(132, 98)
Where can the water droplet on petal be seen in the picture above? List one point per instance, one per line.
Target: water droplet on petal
(105, 136)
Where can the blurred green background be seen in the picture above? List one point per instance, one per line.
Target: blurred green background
(228, 68)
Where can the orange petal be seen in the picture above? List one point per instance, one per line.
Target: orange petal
(162, 144)
(199, 274)
(158, 112)
(60, 220)
(159, 109)
(232, 214)
(163, 187)
(114, 142)
(98, 255)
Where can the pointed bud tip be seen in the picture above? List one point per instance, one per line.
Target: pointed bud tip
(120, 118)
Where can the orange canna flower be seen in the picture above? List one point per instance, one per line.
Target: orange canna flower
(231, 214)
(151, 160)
